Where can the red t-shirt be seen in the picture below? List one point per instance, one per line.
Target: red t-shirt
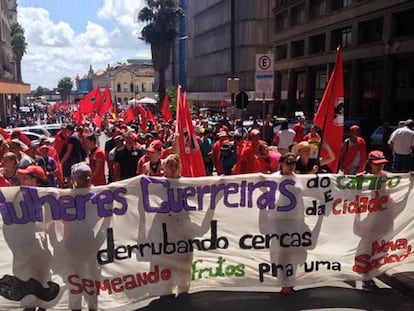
(98, 156)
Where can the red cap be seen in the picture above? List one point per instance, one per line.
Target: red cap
(35, 170)
(155, 146)
(377, 157)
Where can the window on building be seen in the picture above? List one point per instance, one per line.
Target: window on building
(281, 52)
(370, 31)
(342, 37)
(405, 74)
(297, 15)
(298, 48)
(125, 87)
(131, 87)
(143, 87)
(317, 44)
(340, 4)
(317, 8)
(403, 23)
(118, 87)
(321, 79)
(281, 21)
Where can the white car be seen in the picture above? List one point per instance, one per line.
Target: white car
(36, 129)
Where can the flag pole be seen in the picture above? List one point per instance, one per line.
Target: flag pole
(325, 119)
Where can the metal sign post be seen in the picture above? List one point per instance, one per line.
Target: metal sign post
(264, 78)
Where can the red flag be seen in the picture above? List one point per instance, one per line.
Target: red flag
(106, 102)
(330, 114)
(139, 110)
(190, 155)
(78, 117)
(165, 109)
(3, 133)
(129, 115)
(97, 120)
(90, 101)
(151, 117)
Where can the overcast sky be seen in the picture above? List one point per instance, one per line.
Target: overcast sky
(65, 37)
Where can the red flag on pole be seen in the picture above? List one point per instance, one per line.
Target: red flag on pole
(165, 109)
(330, 114)
(192, 164)
(129, 115)
(78, 117)
(106, 102)
(90, 101)
(150, 116)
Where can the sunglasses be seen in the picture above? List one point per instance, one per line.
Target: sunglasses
(290, 162)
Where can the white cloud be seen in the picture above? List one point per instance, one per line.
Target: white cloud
(55, 50)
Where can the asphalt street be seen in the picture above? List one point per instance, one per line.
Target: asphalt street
(321, 296)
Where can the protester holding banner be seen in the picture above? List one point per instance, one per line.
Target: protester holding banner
(287, 164)
(31, 258)
(374, 226)
(79, 238)
(172, 166)
(305, 164)
(9, 168)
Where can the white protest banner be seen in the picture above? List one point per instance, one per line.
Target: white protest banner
(115, 245)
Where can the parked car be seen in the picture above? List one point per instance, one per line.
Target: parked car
(53, 128)
(376, 138)
(36, 129)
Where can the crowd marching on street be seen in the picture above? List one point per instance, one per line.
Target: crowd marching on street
(227, 148)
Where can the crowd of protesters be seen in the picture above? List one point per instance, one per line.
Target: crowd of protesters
(227, 148)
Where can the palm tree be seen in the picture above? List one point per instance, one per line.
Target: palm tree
(19, 45)
(65, 85)
(162, 17)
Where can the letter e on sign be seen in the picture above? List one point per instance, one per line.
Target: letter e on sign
(264, 63)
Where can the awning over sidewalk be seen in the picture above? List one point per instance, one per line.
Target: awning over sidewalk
(14, 87)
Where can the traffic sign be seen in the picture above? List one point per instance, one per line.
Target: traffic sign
(264, 73)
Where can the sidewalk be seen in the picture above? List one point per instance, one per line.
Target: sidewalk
(401, 279)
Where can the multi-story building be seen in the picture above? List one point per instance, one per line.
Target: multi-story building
(11, 89)
(377, 39)
(222, 38)
(129, 80)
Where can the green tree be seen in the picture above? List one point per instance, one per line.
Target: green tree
(39, 91)
(65, 85)
(162, 18)
(19, 45)
(172, 98)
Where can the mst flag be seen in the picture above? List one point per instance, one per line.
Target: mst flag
(90, 101)
(330, 114)
(192, 164)
(165, 109)
(106, 102)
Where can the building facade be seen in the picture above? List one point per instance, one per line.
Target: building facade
(377, 39)
(132, 79)
(11, 90)
(223, 39)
